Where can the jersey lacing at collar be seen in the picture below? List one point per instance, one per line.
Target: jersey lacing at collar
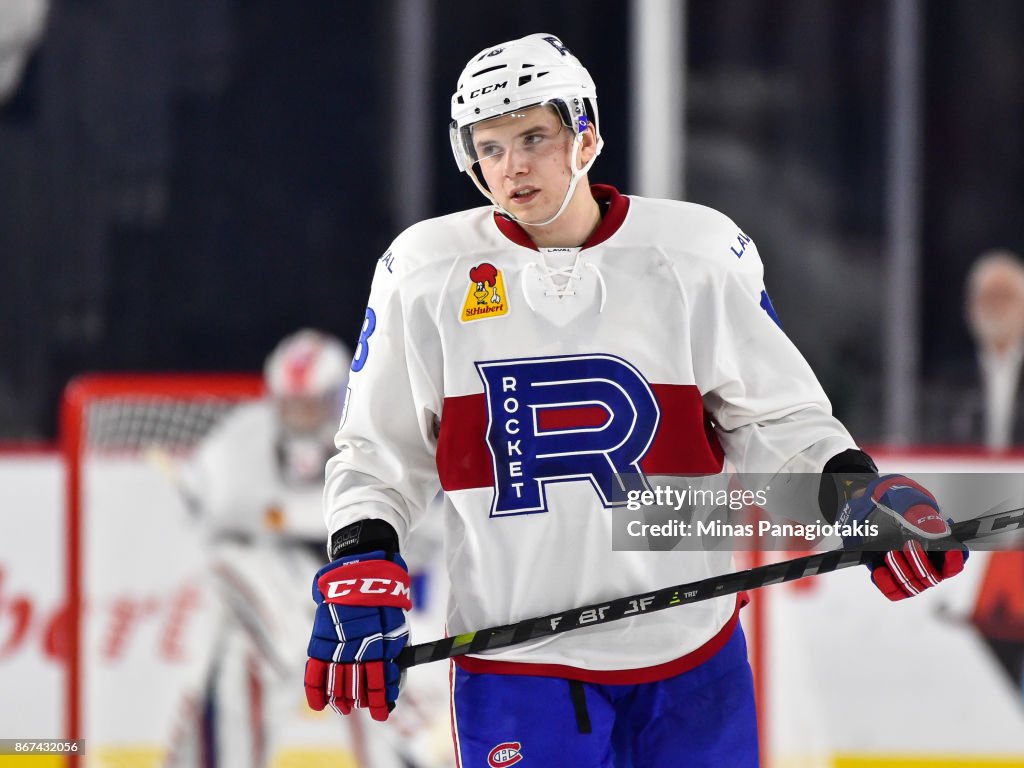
(561, 287)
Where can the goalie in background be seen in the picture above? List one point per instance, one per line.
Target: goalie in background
(255, 485)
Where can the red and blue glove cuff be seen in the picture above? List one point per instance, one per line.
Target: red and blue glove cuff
(371, 579)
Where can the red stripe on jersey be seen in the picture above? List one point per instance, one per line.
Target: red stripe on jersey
(572, 417)
(463, 459)
(685, 443)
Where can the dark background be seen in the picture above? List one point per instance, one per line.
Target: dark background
(183, 182)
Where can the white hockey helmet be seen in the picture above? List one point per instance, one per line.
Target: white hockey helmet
(306, 376)
(531, 71)
(307, 363)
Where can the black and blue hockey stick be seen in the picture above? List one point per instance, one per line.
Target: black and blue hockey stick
(682, 594)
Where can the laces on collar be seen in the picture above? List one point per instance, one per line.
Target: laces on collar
(565, 286)
(600, 280)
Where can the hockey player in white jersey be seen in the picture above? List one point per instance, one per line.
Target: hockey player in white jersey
(526, 356)
(256, 484)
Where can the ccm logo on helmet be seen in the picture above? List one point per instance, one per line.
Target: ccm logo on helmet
(367, 586)
(487, 89)
(506, 753)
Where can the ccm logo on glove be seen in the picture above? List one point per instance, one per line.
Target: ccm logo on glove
(906, 508)
(360, 588)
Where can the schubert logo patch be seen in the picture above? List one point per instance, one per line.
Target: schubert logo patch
(506, 753)
(486, 296)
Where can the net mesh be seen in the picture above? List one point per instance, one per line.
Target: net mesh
(175, 412)
(136, 424)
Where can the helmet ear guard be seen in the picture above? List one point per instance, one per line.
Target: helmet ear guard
(575, 115)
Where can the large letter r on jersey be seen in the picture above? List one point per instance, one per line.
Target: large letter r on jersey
(560, 419)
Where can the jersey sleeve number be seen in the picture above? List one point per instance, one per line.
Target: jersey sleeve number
(363, 346)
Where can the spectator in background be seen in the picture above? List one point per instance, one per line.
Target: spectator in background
(995, 318)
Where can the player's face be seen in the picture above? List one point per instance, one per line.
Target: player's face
(524, 159)
(307, 415)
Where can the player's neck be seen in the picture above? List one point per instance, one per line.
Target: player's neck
(577, 222)
(1004, 347)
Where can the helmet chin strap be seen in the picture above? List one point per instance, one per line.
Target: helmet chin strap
(577, 174)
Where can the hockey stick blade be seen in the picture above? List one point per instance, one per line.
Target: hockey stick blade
(681, 594)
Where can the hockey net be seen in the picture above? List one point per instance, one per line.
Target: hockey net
(133, 554)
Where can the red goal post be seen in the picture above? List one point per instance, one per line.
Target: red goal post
(127, 414)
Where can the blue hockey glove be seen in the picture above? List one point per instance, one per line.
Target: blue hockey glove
(905, 511)
(358, 631)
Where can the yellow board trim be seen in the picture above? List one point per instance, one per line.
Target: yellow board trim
(927, 761)
(313, 758)
(125, 757)
(149, 757)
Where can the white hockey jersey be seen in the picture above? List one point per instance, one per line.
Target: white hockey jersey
(236, 482)
(478, 369)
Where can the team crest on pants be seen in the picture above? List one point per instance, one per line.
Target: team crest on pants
(486, 296)
(505, 754)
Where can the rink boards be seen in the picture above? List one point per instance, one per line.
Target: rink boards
(852, 680)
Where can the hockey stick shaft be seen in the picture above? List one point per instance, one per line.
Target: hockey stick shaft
(681, 594)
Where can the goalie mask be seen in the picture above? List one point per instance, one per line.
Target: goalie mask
(306, 376)
(509, 78)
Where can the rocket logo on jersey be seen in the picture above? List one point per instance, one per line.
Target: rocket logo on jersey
(564, 419)
(486, 296)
